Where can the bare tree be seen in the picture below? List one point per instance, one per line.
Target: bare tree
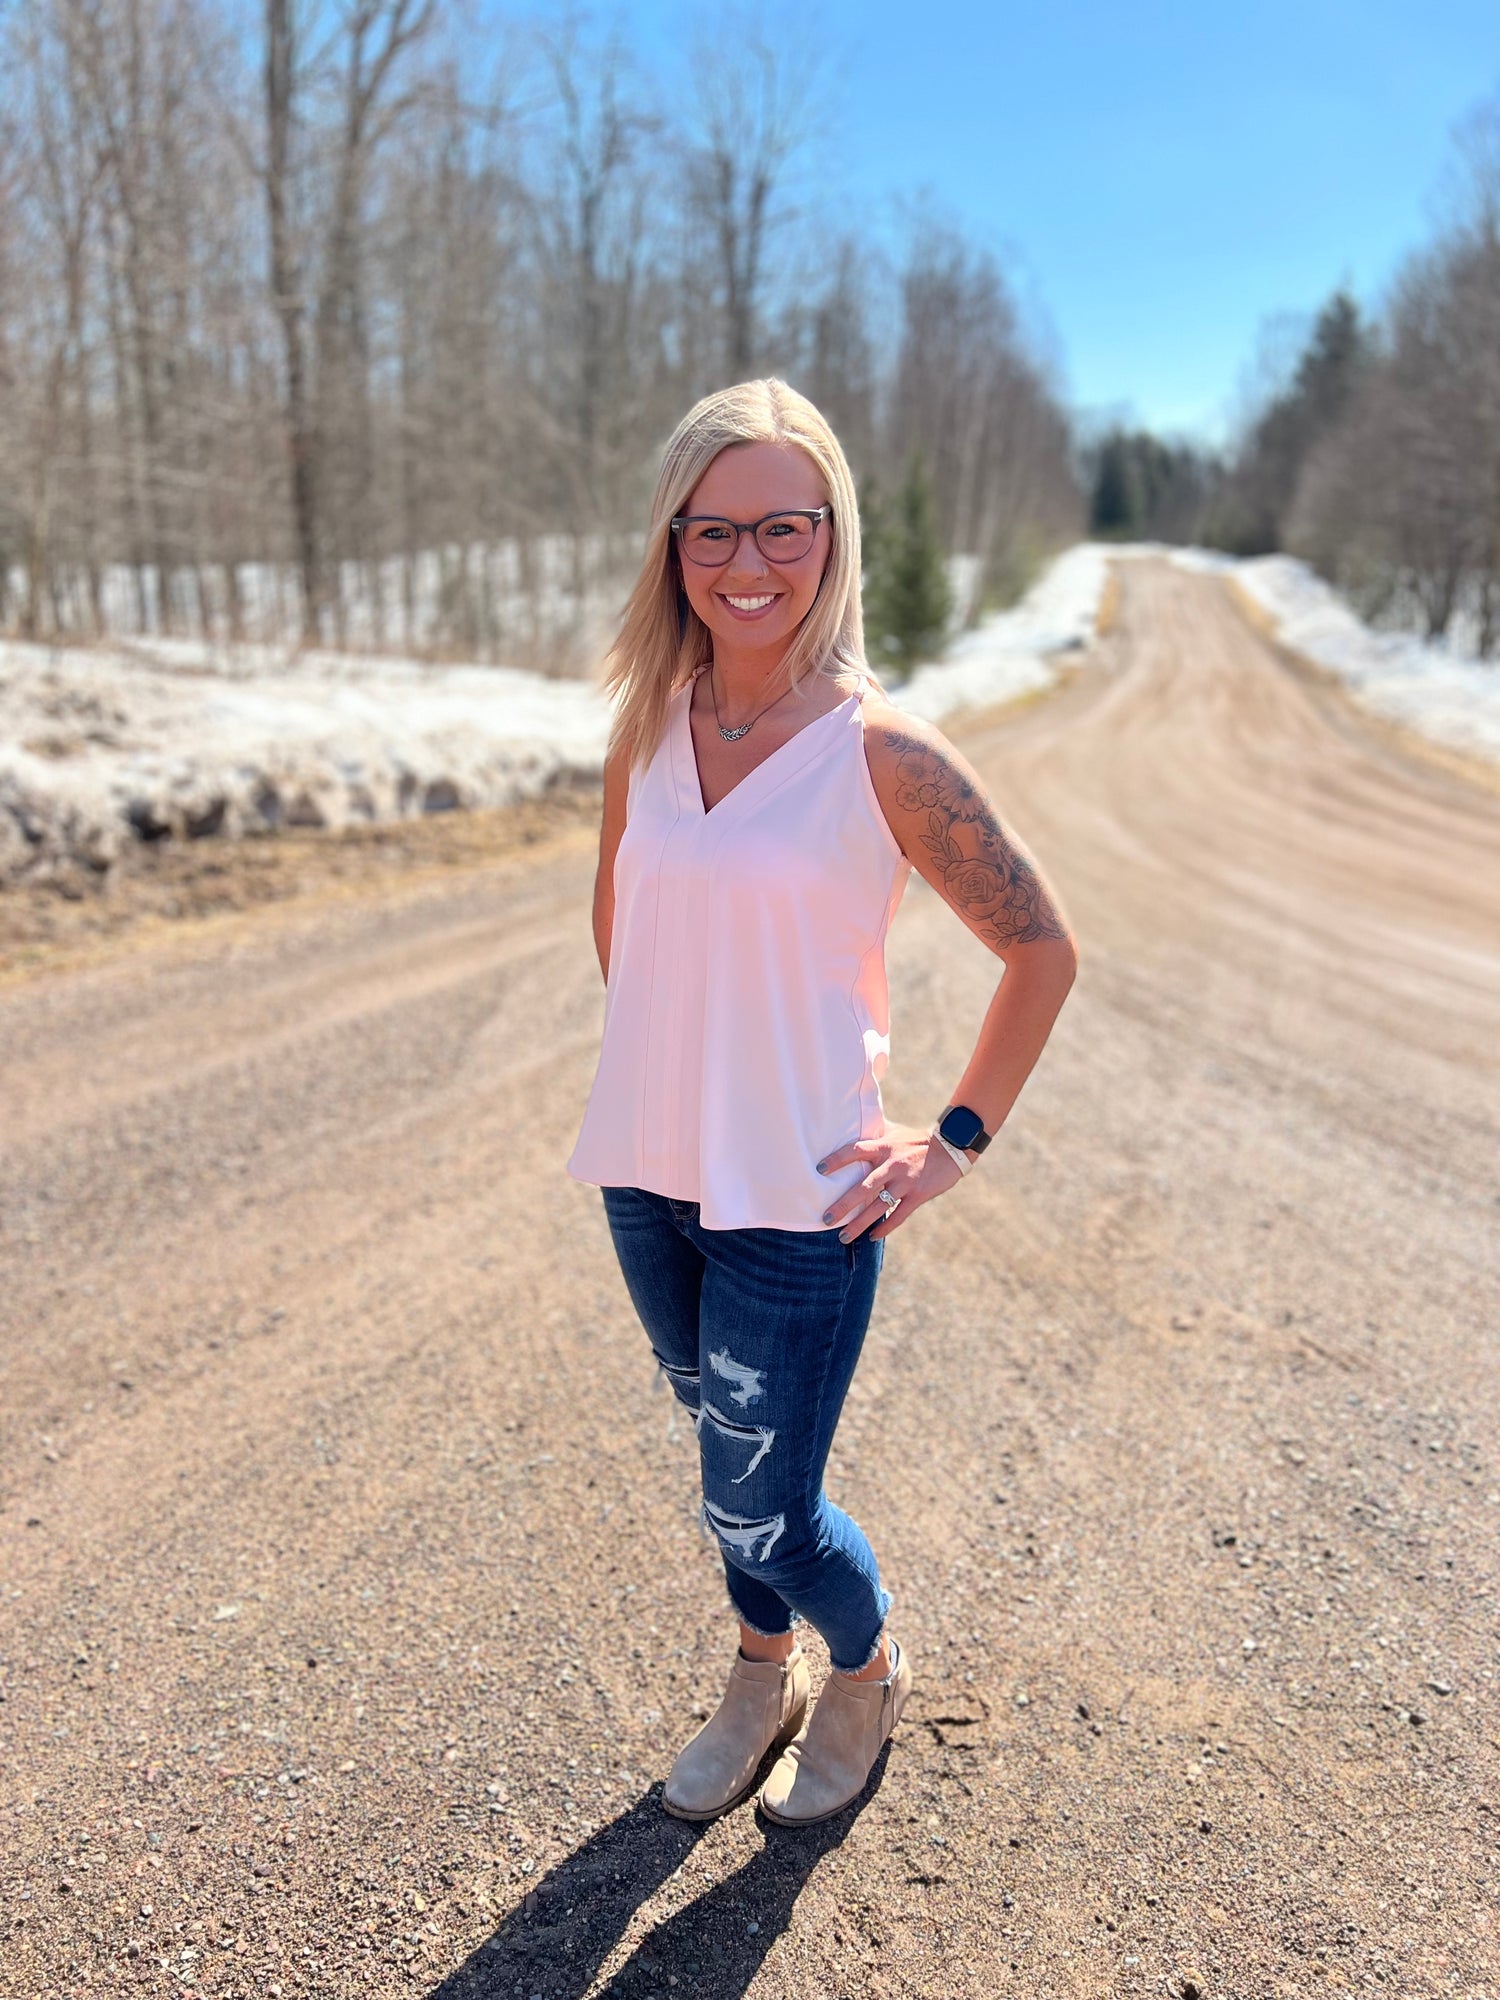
(970, 397)
(753, 125)
(317, 264)
(282, 70)
(68, 174)
(834, 347)
(334, 323)
(1401, 501)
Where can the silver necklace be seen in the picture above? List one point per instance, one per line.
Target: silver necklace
(733, 735)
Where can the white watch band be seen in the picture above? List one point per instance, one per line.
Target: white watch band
(962, 1159)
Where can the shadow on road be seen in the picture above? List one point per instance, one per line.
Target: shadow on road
(555, 1941)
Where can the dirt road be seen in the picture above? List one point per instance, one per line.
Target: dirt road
(351, 1601)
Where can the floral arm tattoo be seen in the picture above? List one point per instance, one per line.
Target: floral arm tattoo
(984, 875)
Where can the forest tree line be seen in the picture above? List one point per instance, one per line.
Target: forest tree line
(1376, 457)
(353, 325)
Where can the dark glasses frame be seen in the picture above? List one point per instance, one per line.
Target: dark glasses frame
(816, 515)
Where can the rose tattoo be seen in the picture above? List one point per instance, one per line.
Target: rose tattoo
(986, 875)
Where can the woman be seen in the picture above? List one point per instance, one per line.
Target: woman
(763, 808)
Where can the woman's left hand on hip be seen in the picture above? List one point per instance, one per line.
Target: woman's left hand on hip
(905, 1161)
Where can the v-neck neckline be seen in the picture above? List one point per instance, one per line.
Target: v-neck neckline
(694, 785)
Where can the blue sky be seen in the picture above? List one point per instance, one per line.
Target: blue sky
(1162, 179)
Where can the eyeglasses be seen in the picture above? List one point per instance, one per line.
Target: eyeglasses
(710, 541)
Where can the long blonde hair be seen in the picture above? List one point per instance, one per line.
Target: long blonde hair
(662, 641)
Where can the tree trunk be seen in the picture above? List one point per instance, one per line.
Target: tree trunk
(286, 299)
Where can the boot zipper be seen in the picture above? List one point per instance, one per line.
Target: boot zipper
(886, 1686)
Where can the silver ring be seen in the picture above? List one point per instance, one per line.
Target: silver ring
(891, 1200)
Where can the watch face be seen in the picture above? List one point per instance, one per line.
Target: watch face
(962, 1126)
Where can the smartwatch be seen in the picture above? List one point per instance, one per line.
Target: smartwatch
(963, 1128)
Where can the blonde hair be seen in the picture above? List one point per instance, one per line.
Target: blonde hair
(662, 641)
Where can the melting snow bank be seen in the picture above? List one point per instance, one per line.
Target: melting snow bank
(1007, 655)
(1440, 694)
(185, 739)
(97, 748)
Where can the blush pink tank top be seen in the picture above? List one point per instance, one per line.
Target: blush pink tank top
(746, 1019)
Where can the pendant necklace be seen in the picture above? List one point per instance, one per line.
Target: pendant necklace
(733, 735)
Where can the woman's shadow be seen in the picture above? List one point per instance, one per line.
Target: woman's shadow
(557, 1938)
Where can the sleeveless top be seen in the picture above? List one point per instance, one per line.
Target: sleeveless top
(746, 1020)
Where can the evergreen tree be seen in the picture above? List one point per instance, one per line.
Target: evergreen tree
(874, 537)
(1113, 509)
(1146, 489)
(907, 596)
(1251, 516)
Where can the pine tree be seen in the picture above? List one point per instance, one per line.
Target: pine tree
(1114, 506)
(1253, 513)
(907, 596)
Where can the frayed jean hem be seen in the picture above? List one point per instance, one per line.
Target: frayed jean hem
(860, 1665)
(794, 1619)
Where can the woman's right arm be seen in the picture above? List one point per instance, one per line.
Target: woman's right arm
(616, 786)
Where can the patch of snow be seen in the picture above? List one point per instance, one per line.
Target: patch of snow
(97, 748)
(1008, 654)
(965, 575)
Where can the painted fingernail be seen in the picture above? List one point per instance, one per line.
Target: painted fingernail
(828, 1215)
(822, 1166)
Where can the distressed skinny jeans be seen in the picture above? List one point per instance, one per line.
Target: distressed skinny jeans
(758, 1332)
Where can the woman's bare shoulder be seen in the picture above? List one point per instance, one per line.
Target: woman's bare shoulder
(891, 734)
(911, 761)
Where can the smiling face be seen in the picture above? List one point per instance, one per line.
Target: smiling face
(754, 604)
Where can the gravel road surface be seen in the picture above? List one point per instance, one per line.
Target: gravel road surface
(352, 1606)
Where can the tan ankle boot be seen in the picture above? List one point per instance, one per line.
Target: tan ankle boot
(829, 1762)
(763, 1708)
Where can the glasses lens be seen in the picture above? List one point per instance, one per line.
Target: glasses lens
(785, 537)
(708, 542)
